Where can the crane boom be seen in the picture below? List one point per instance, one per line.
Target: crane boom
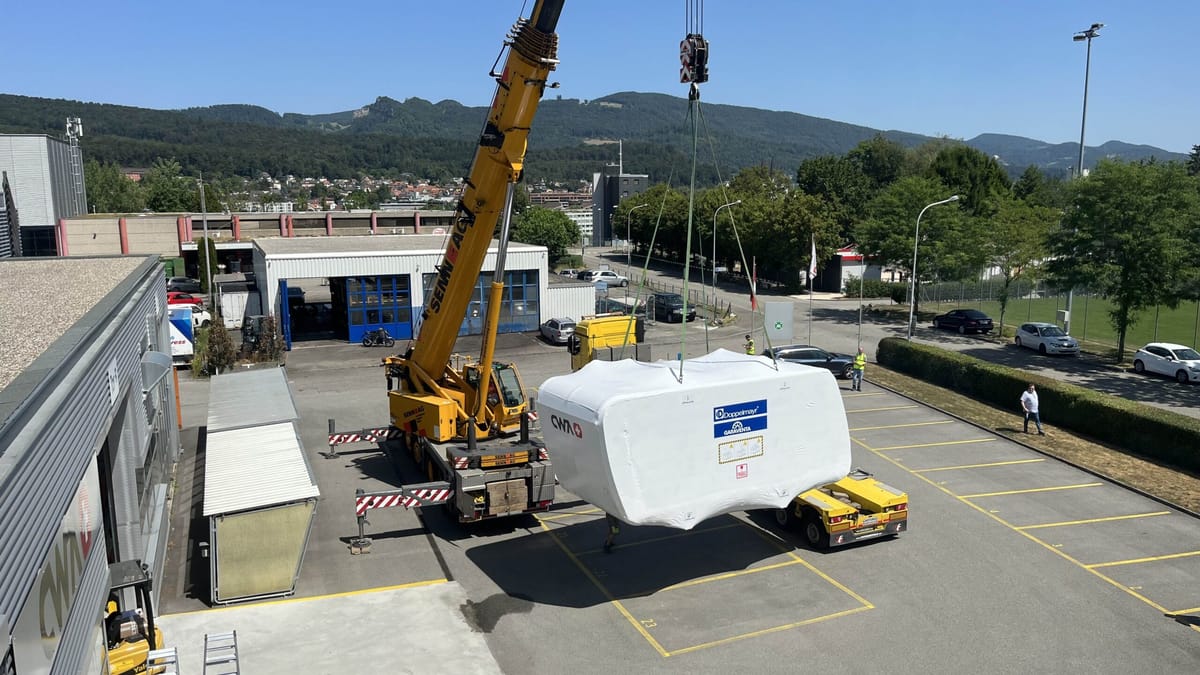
(498, 161)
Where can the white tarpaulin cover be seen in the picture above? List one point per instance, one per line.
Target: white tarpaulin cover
(739, 432)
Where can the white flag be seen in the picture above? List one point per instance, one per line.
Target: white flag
(812, 261)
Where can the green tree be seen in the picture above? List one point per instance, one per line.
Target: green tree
(879, 159)
(949, 245)
(546, 227)
(109, 190)
(270, 345)
(1016, 241)
(977, 179)
(1129, 234)
(221, 354)
(842, 184)
(167, 190)
(205, 261)
(1193, 162)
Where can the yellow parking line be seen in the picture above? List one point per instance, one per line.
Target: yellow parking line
(558, 515)
(1189, 610)
(768, 631)
(979, 466)
(901, 426)
(865, 393)
(1135, 561)
(1056, 551)
(1095, 520)
(791, 553)
(729, 575)
(932, 445)
(284, 601)
(894, 407)
(1022, 492)
(604, 590)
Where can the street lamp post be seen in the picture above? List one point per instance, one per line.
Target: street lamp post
(629, 241)
(714, 250)
(912, 303)
(1082, 36)
(207, 262)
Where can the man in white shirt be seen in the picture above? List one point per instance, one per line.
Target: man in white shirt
(1029, 403)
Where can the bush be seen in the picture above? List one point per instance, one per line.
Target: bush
(270, 344)
(1151, 432)
(875, 288)
(221, 354)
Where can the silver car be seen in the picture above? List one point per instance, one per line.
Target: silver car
(1178, 361)
(558, 331)
(1046, 338)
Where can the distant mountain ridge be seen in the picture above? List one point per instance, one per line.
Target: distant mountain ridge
(568, 137)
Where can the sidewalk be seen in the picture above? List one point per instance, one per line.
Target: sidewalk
(417, 628)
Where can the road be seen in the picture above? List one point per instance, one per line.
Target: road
(835, 326)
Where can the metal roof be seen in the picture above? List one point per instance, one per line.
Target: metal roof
(249, 398)
(380, 244)
(255, 467)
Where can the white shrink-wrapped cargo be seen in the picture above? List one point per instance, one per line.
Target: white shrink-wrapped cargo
(738, 432)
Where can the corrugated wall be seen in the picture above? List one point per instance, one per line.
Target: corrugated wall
(49, 444)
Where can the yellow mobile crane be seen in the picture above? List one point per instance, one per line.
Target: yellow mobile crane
(468, 427)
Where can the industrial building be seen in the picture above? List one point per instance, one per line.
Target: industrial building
(44, 183)
(341, 287)
(89, 432)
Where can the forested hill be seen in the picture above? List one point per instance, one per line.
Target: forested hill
(570, 140)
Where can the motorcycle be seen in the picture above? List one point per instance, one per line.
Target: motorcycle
(378, 338)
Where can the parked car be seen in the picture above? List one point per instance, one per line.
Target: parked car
(183, 285)
(558, 330)
(1172, 360)
(669, 307)
(964, 320)
(1046, 338)
(607, 276)
(569, 273)
(838, 364)
(180, 298)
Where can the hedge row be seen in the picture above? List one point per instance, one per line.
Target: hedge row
(1150, 432)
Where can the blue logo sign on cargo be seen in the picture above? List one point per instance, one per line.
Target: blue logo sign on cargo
(739, 418)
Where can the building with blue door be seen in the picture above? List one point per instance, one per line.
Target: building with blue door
(342, 287)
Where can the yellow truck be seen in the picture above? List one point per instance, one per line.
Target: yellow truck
(855, 508)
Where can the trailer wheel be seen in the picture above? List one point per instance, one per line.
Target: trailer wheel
(784, 517)
(814, 532)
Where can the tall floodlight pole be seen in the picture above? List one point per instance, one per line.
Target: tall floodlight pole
(1082, 36)
(629, 240)
(207, 262)
(714, 250)
(912, 303)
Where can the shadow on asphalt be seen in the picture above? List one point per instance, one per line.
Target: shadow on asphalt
(644, 561)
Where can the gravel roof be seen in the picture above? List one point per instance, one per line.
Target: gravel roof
(40, 298)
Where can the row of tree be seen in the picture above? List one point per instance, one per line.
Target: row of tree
(1128, 231)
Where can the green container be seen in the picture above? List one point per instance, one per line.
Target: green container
(173, 267)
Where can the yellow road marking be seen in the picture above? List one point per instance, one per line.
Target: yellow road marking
(894, 407)
(866, 393)
(344, 594)
(1135, 561)
(1189, 610)
(1030, 537)
(931, 445)
(558, 515)
(1022, 492)
(979, 466)
(1095, 520)
(768, 631)
(604, 590)
(791, 553)
(900, 426)
(729, 575)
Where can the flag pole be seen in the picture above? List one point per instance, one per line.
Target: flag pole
(812, 272)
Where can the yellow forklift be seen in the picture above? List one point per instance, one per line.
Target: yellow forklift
(127, 630)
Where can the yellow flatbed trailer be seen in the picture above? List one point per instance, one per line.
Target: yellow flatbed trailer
(855, 508)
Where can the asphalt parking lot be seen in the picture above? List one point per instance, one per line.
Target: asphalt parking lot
(1015, 562)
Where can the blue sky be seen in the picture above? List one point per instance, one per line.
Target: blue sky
(931, 67)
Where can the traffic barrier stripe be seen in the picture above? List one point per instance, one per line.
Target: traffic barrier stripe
(366, 435)
(415, 498)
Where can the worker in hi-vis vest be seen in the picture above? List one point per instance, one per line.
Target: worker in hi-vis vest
(856, 375)
(749, 344)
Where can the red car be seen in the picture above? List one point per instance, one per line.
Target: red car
(181, 298)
